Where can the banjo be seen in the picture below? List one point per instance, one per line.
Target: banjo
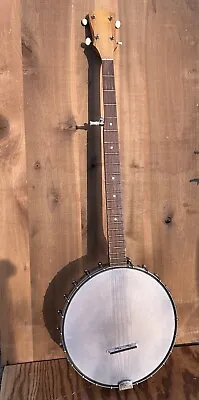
(119, 323)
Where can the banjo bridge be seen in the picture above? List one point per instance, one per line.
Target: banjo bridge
(125, 347)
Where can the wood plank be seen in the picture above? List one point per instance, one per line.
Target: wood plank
(15, 310)
(53, 106)
(53, 380)
(159, 122)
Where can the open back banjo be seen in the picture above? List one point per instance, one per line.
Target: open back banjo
(119, 322)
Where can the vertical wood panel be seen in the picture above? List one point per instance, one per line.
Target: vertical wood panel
(49, 33)
(159, 133)
(15, 310)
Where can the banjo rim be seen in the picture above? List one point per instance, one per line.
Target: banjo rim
(80, 283)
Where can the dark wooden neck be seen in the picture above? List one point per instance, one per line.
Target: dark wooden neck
(116, 241)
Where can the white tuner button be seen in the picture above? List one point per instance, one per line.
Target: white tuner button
(88, 41)
(84, 22)
(117, 24)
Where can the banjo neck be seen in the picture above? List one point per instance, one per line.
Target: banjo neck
(114, 209)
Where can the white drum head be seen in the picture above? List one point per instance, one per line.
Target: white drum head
(119, 307)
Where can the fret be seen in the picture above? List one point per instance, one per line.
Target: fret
(111, 143)
(115, 163)
(110, 208)
(116, 253)
(116, 256)
(112, 173)
(113, 229)
(113, 153)
(118, 241)
(110, 130)
(110, 104)
(116, 247)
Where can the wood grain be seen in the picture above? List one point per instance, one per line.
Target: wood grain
(15, 307)
(156, 73)
(54, 380)
(50, 91)
(159, 132)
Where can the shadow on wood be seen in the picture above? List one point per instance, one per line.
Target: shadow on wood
(8, 269)
(96, 242)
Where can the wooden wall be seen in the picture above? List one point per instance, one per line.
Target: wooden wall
(52, 201)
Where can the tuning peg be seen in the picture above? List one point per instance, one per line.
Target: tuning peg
(117, 24)
(84, 21)
(88, 41)
(119, 43)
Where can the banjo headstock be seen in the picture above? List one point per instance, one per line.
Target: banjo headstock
(102, 26)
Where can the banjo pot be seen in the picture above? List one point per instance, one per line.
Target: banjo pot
(118, 326)
(119, 323)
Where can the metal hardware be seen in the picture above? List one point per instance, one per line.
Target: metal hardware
(74, 283)
(84, 21)
(124, 385)
(96, 36)
(97, 123)
(120, 43)
(110, 18)
(195, 180)
(87, 272)
(119, 349)
(88, 41)
(93, 16)
(58, 329)
(112, 37)
(65, 296)
(99, 264)
(168, 220)
(143, 266)
(117, 24)
(60, 312)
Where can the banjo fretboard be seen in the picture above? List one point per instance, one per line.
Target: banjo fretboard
(116, 241)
